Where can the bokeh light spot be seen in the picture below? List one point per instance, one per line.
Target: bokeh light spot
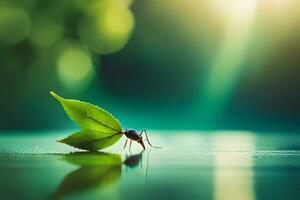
(15, 25)
(115, 23)
(108, 27)
(46, 32)
(75, 68)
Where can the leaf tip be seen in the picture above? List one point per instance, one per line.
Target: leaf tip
(61, 141)
(55, 95)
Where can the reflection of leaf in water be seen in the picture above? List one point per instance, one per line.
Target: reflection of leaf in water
(93, 158)
(97, 170)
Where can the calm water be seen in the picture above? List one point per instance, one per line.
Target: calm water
(191, 165)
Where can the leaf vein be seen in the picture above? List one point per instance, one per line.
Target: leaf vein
(83, 143)
(107, 126)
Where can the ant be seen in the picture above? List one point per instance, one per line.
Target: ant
(134, 135)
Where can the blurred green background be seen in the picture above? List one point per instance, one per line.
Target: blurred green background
(170, 64)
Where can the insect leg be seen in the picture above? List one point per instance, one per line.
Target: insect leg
(125, 143)
(130, 144)
(144, 130)
(147, 166)
(141, 163)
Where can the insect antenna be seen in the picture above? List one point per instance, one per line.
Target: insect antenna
(144, 130)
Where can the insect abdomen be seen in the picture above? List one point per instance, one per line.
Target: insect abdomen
(133, 135)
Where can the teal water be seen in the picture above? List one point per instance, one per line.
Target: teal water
(192, 165)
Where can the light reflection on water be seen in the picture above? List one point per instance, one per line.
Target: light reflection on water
(191, 165)
(229, 182)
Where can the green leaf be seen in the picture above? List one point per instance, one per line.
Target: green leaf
(91, 140)
(89, 116)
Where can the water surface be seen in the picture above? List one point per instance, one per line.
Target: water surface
(192, 165)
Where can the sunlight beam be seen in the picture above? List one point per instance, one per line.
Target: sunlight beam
(226, 66)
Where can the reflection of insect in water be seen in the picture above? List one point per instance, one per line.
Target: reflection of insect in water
(133, 135)
(132, 161)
